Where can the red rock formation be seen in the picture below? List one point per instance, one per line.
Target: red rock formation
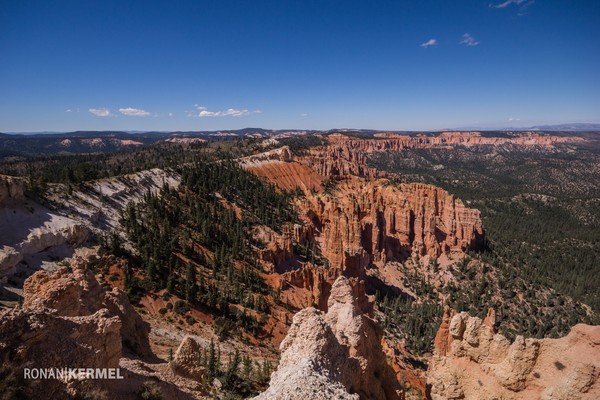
(41, 339)
(78, 293)
(69, 321)
(395, 142)
(363, 222)
(278, 255)
(443, 339)
(289, 175)
(339, 161)
(316, 283)
(278, 166)
(411, 378)
(346, 156)
(471, 361)
(490, 320)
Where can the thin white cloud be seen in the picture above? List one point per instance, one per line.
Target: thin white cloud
(507, 3)
(100, 112)
(203, 112)
(514, 119)
(304, 115)
(230, 112)
(522, 4)
(170, 114)
(68, 110)
(430, 42)
(134, 112)
(469, 40)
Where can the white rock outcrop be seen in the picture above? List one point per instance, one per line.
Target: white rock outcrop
(27, 230)
(12, 189)
(334, 355)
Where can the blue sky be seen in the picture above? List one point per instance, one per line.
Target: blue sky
(204, 65)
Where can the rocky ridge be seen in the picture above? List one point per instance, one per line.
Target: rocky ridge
(30, 229)
(100, 202)
(76, 292)
(334, 355)
(68, 320)
(471, 361)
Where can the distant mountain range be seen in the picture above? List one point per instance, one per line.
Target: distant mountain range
(573, 127)
(567, 127)
(154, 135)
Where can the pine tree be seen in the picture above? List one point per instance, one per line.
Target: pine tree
(247, 363)
(191, 287)
(232, 369)
(212, 369)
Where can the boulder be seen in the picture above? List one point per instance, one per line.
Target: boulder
(186, 361)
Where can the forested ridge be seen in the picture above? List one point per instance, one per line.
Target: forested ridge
(194, 243)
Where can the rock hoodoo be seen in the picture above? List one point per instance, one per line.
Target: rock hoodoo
(12, 189)
(69, 321)
(186, 361)
(362, 222)
(78, 293)
(334, 355)
(472, 362)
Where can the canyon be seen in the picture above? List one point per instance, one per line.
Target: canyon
(358, 235)
(344, 155)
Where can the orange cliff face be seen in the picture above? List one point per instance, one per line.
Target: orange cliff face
(398, 142)
(359, 223)
(344, 156)
(279, 167)
(364, 222)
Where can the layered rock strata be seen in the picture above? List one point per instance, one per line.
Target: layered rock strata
(362, 222)
(345, 156)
